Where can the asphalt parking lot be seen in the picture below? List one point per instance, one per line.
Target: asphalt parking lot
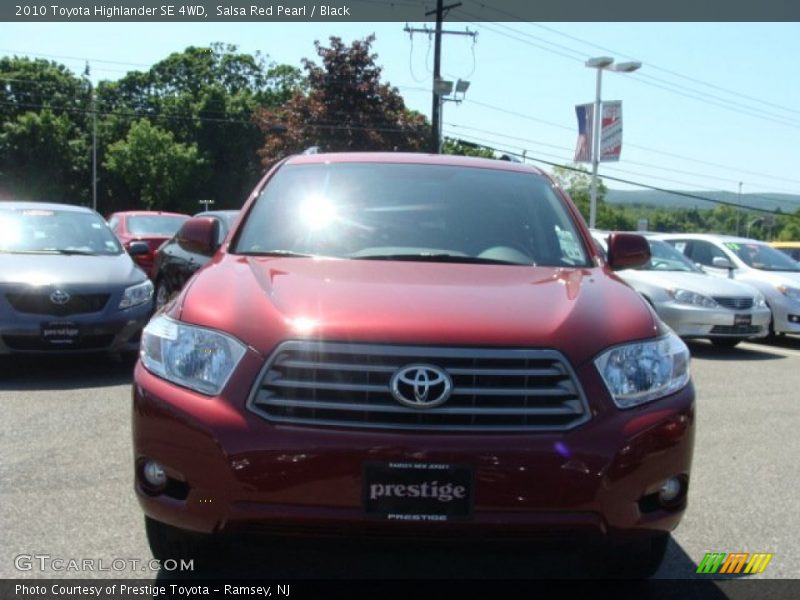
(65, 467)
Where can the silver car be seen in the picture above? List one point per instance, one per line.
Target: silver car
(695, 304)
(66, 283)
(749, 261)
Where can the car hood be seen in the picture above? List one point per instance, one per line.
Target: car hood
(267, 300)
(768, 278)
(75, 270)
(700, 283)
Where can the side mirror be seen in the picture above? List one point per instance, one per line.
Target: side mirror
(199, 235)
(138, 249)
(627, 251)
(721, 262)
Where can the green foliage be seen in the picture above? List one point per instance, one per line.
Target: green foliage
(156, 168)
(345, 108)
(206, 97)
(43, 157)
(461, 148)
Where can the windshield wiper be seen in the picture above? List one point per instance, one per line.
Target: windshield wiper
(54, 251)
(444, 258)
(287, 253)
(73, 252)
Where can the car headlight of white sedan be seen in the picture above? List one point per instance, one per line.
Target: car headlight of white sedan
(792, 293)
(641, 372)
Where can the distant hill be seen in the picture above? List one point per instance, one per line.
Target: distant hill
(788, 203)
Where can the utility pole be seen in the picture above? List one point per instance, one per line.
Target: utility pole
(86, 73)
(205, 203)
(436, 105)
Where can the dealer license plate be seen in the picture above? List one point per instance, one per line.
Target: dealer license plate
(410, 491)
(60, 332)
(742, 319)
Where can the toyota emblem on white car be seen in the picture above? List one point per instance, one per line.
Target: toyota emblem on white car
(421, 386)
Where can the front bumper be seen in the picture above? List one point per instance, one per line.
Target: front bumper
(693, 321)
(109, 331)
(231, 470)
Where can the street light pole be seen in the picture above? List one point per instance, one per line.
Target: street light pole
(595, 150)
(601, 63)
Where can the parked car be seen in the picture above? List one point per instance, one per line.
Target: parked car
(152, 227)
(177, 259)
(791, 249)
(769, 270)
(692, 302)
(66, 283)
(399, 345)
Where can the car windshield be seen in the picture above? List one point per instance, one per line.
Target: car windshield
(762, 257)
(165, 225)
(432, 213)
(664, 257)
(55, 231)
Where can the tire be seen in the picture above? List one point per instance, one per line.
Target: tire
(725, 342)
(168, 542)
(635, 560)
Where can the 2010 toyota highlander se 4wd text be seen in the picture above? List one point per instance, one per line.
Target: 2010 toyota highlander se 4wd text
(419, 346)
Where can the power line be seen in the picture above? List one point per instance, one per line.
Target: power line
(605, 49)
(527, 156)
(632, 145)
(641, 164)
(697, 95)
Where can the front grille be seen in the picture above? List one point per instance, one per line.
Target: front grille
(736, 329)
(39, 303)
(735, 303)
(340, 384)
(36, 344)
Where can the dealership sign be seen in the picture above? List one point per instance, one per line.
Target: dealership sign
(611, 131)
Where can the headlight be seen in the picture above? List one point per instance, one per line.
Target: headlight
(137, 294)
(687, 297)
(759, 301)
(790, 292)
(194, 357)
(644, 371)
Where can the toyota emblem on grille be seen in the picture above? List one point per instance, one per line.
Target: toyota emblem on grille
(421, 386)
(59, 297)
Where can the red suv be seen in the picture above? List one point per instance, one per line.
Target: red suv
(418, 346)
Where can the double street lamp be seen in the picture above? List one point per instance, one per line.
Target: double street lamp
(601, 63)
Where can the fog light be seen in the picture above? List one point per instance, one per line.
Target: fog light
(154, 475)
(671, 490)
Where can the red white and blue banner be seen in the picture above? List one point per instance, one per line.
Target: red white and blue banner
(583, 149)
(611, 131)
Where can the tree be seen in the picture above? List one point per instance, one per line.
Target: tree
(207, 98)
(345, 108)
(462, 148)
(159, 172)
(43, 141)
(43, 157)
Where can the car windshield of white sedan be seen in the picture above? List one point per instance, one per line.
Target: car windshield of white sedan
(664, 257)
(763, 257)
(412, 212)
(55, 232)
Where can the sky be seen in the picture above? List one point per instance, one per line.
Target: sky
(714, 104)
